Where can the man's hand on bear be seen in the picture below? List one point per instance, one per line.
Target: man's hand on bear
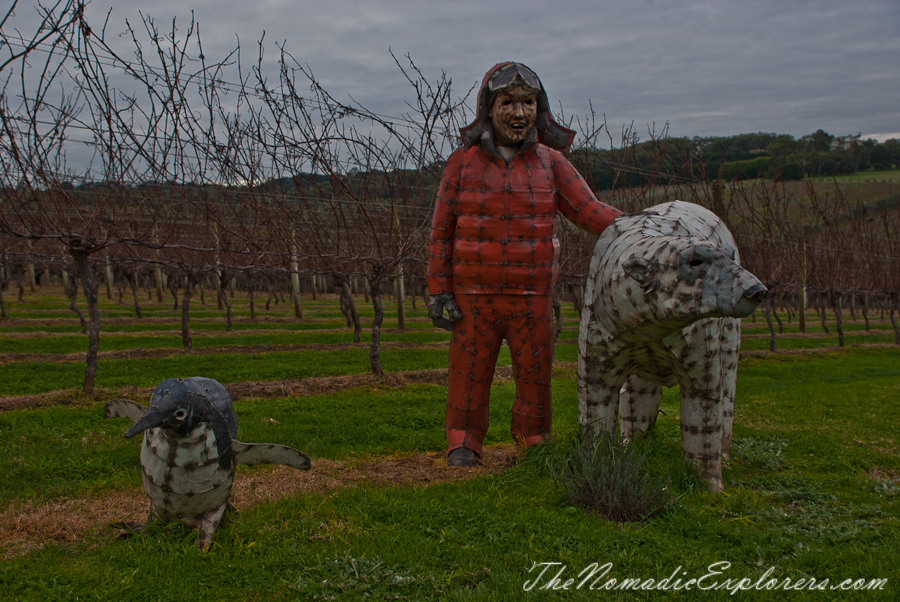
(439, 303)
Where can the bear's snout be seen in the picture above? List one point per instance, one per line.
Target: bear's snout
(750, 300)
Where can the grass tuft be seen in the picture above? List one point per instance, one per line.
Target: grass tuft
(363, 578)
(607, 475)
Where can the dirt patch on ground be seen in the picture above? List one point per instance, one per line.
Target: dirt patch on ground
(883, 446)
(267, 389)
(763, 353)
(335, 384)
(818, 335)
(881, 475)
(139, 353)
(142, 354)
(109, 322)
(199, 334)
(24, 526)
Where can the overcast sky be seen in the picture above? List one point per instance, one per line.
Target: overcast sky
(708, 68)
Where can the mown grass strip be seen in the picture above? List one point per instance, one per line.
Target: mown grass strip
(41, 377)
(29, 378)
(50, 453)
(107, 313)
(843, 403)
(57, 308)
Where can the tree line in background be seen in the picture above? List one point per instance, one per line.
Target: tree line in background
(748, 157)
(209, 174)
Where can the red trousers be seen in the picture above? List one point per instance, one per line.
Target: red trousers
(525, 321)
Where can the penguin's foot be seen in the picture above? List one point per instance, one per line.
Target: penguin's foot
(230, 511)
(128, 529)
(207, 525)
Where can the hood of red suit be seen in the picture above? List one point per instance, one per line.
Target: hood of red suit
(546, 130)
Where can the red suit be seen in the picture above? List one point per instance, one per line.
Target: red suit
(494, 247)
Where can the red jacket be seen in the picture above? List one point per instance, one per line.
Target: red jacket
(494, 228)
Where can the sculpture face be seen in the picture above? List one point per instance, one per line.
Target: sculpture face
(512, 114)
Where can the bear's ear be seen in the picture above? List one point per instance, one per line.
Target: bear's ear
(640, 269)
(728, 251)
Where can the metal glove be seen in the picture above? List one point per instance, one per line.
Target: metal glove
(436, 308)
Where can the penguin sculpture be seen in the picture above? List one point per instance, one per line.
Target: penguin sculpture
(190, 451)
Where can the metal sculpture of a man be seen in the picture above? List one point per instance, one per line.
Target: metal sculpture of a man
(494, 252)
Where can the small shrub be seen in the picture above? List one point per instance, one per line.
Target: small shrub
(607, 475)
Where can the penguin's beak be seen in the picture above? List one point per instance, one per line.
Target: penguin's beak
(151, 419)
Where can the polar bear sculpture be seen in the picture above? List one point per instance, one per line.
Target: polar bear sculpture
(662, 306)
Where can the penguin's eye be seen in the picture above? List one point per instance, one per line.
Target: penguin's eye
(180, 414)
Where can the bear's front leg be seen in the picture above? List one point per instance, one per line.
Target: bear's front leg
(702, 424)
(729, 350)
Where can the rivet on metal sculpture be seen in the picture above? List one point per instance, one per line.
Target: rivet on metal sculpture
(190, 451)
(663, 300)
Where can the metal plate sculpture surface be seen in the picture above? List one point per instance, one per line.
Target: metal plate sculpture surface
(190, 451)
(662, 306)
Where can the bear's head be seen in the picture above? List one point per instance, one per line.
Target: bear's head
(654, 282)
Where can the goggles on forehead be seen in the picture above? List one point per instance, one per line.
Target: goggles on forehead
(514, 74)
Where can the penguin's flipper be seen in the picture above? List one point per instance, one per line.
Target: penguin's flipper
(124, 408)
(269, 453)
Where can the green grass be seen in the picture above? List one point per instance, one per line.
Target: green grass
(471, 541)
(64, 451)
(803, 496)
(30, 378)
(51, 453)
(832, 417)
(888, 175)
(849, 399)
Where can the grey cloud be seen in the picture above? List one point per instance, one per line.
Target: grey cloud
(713, 67)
